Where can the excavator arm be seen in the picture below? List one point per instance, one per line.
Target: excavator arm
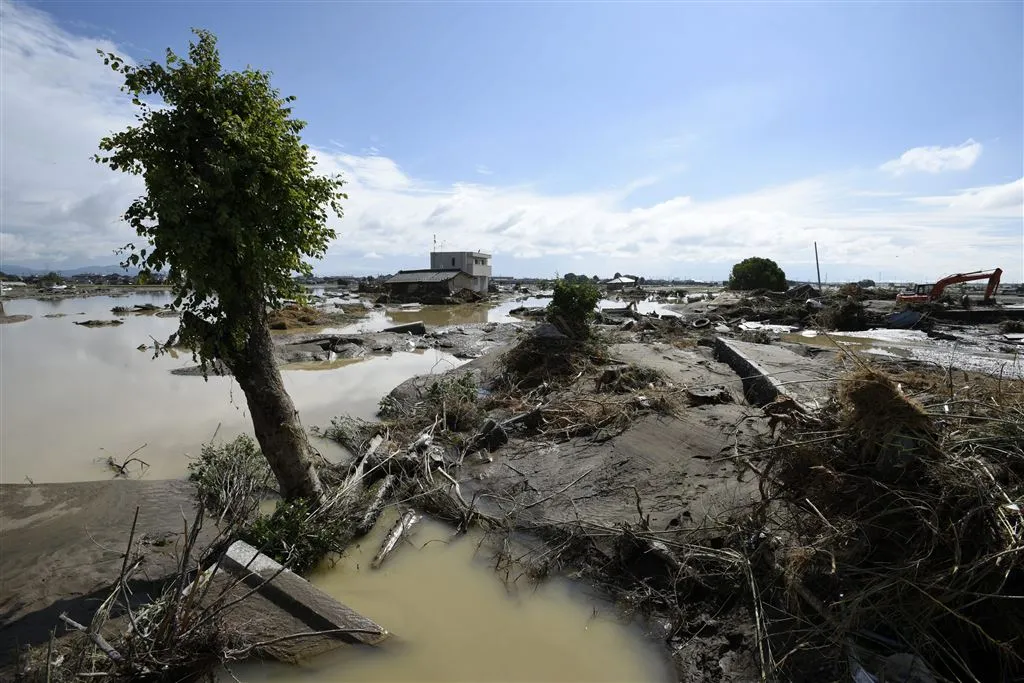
(924, 293)
(993, 277)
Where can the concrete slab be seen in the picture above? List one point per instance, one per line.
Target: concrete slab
(768, 371)
(290, 592)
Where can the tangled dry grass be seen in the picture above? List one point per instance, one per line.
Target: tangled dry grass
(180, 635)
(536, 361)
(183, 633)
(902, 527)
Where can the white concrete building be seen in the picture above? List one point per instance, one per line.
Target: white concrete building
(474, 263)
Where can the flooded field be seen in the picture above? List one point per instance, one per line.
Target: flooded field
(455, 619)
(71, 396)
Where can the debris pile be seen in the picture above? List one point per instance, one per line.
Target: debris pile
(846, 315)
(298, 316)
(894, 527)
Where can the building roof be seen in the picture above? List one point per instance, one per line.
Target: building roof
(426, 275)
(478, 254)
(621, 281)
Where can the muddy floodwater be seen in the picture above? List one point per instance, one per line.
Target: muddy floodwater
(455, 619)
(70, 396)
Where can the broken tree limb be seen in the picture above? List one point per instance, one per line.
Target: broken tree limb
(377, 495)
(397, 532)
(371, 450)
(96, 638)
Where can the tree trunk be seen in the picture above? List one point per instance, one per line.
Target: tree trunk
(274, 418)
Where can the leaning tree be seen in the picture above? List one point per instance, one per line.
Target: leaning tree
(231, 210)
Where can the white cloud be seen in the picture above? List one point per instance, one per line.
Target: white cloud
(935, 159)
(483, 170)
(929, 234)
(58, 207)
(56, 101)
(1006, 198)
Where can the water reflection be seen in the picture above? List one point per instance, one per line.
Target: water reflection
(455, 620)
(70, 396)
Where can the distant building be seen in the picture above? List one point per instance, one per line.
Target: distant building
(427, 285)
(620, 283)
(476, 264)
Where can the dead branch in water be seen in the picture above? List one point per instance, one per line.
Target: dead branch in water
(122, 468)
(399, 531)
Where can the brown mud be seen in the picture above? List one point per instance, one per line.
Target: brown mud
(62, 547)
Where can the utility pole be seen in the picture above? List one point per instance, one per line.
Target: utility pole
(817, 265)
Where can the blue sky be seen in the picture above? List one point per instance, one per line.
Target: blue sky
(668, 139)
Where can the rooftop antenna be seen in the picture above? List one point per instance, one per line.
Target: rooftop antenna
(435, 241)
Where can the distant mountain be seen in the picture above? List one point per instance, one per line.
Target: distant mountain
(22, 271)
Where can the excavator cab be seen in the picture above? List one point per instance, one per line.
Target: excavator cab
(923, 289)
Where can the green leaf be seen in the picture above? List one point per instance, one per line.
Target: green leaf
(232, 204)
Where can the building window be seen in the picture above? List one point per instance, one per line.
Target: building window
(453, 260)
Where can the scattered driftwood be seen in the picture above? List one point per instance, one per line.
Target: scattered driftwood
(399, 531)
(100, 323)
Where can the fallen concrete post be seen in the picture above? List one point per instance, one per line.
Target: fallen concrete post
(769, 371)
(417, 328)
(298, 597)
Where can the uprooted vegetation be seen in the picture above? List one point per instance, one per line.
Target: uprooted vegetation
(1011, 326)
(845, 313)
(893, 527)
(231, 479)
(887, 531)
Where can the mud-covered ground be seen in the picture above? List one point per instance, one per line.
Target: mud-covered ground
(672, 474)
(63, 545)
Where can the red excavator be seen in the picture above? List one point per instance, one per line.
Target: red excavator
(926, 293)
